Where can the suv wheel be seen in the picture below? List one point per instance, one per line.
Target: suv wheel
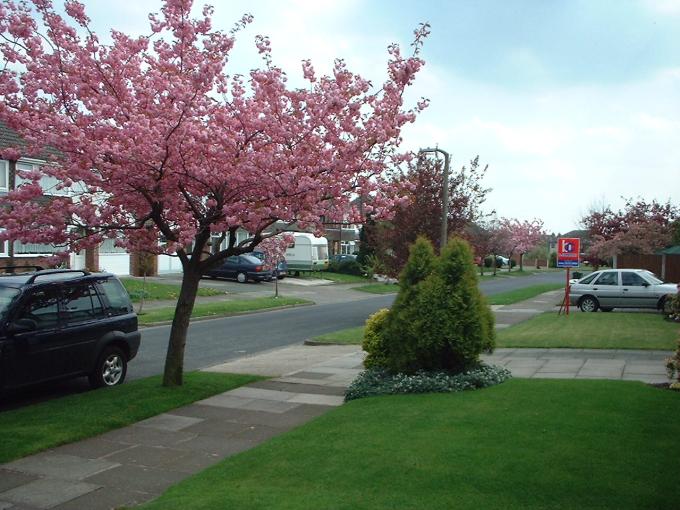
(589, 304)
(111, 368)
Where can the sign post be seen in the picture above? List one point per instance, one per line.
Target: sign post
(568, 255)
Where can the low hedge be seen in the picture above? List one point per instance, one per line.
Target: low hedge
(378, 381)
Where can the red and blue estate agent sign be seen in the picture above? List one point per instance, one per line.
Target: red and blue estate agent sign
(568, 249)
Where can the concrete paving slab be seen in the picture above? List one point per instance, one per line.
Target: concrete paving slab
(261, 394)
(147, 456)
(10, 479)
(311, 375)
(332, 383)
(47, 493)
(170, 422)
(135, 435)
(525, 362)
(138, 478)
(633, 367)
(561, 367)
(66, 467)
(259, 433)
(524, 372)
(192, 462)
(285, 360)
(225, 400)
(649, 379)
(322, 400)
(4, 505)
(218, 447)
(298, 388)
(220, 428)
(93, 448)
(271, 406)
(103, 499)
(554, 375)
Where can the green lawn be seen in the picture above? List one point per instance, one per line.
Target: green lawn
(48, 424)
(525, 444)
(378, 288)
(153, 291)
(592, 330)
(514, 296)
(342, 336)
(334, 277)
(222, 308)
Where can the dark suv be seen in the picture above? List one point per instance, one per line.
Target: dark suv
(65, 323)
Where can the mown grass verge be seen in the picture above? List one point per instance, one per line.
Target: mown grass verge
(514, 296)
(221, 308)
(592, 331)
(378, 288)
(152, 291)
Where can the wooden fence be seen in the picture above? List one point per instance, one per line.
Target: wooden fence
(653, 263)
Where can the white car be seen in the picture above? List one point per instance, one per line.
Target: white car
(620, 288)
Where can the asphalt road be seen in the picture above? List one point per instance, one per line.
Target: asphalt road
(214, 341)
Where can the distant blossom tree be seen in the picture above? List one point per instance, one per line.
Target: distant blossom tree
(640, 227)
(274, 249)
(154, 140)
(521, 237)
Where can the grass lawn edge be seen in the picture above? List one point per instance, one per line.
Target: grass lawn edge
(49, 424)
(221, 315)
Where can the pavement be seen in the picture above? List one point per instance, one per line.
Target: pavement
(134, 464)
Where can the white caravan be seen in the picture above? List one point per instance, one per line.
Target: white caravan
(307, 253)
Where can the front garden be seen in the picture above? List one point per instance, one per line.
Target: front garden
(524, 444)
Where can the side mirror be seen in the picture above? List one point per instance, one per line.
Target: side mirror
(645, 284)
(22, 326)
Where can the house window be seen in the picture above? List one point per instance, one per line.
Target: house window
(4, 175)
(47, 182)
(33, 249)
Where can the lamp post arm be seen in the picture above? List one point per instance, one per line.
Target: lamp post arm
(445, 194)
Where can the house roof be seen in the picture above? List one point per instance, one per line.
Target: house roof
(671, 250)
(9, 138)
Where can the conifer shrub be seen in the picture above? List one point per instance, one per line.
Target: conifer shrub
(373, 342)
(440, 320)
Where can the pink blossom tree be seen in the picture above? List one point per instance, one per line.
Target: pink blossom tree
(154, 140)
(521, 237)
(274, 249)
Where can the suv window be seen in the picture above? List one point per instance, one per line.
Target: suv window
(610, 278)
(42, 307)
(82, 304)
(7, 296)
(632, 279)
(119, 301)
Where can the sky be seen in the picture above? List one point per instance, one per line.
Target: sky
(573, 104)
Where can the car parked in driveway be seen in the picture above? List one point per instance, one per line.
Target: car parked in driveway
(58, 324)
(281, 270)
(619, 288)
(242, 268)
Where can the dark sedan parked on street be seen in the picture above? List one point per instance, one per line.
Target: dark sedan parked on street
(242, 268)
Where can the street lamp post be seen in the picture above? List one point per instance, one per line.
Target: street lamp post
(445, 193)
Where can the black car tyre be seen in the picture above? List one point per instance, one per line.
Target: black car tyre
(111, 368)
(589, 304)
(241, 278)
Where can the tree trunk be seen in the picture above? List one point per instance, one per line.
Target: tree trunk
(521, 263)
(494, 264)
(174, 360)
